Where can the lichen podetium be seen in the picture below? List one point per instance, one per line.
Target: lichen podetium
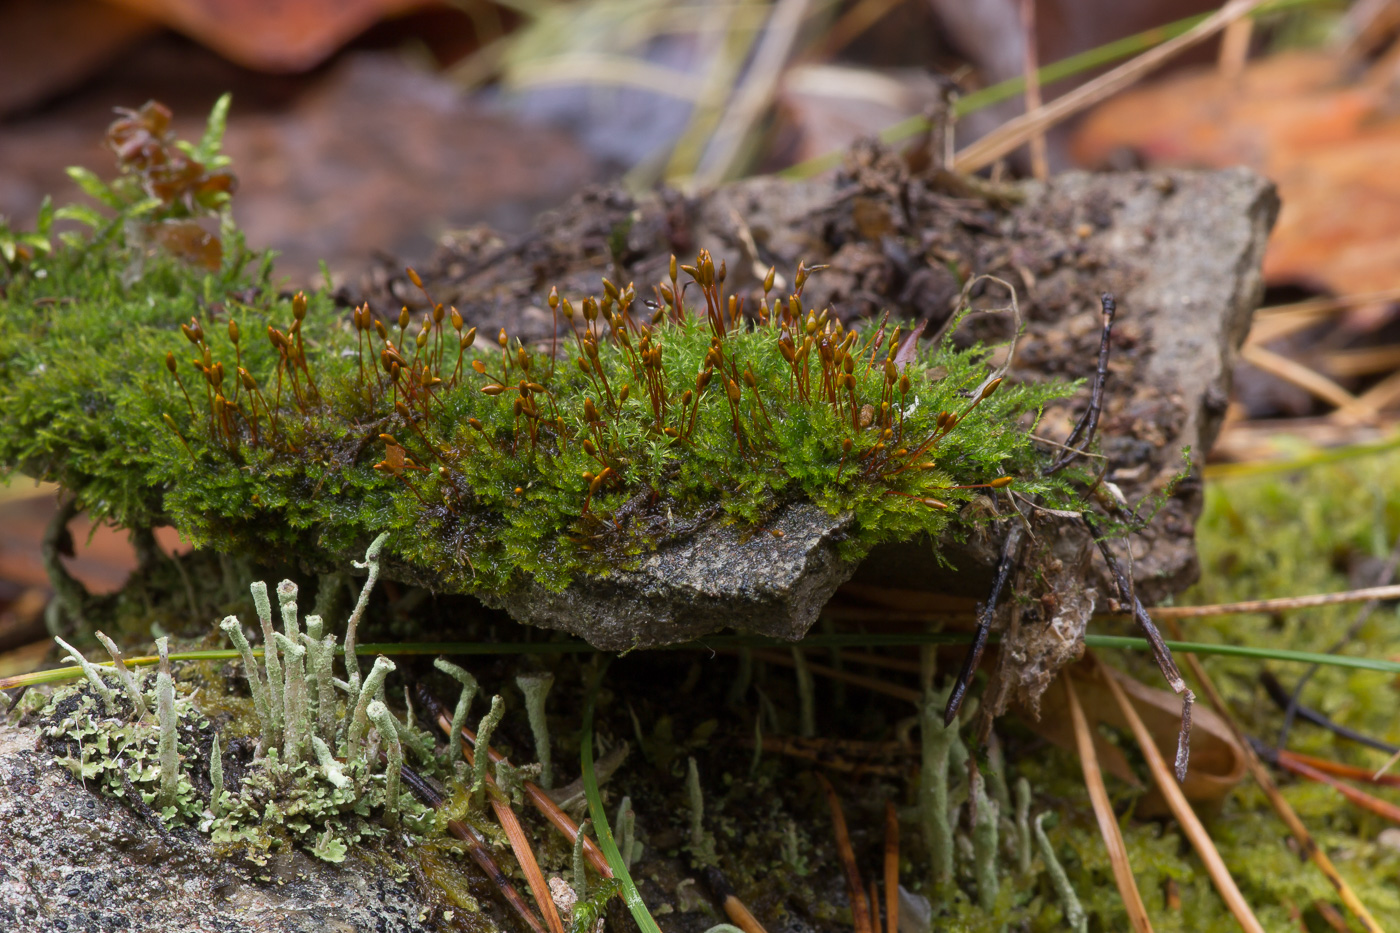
(261, 424)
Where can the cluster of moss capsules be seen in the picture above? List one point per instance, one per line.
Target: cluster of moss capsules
(635, 422)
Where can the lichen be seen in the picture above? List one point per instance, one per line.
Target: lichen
(294, 790)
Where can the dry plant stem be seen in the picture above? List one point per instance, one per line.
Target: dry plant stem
(891, 868)
(1281, 603)
(1040, 167)
(1014, 133)
(1383, 577)
(872, 684)
(525, 855)
(1309, 380)
(1181, 808)
(1160, 652)
(1010, 554)
(1103, 812)
(755, 95)
(860, 910)
(533, 792)
(1281, 806)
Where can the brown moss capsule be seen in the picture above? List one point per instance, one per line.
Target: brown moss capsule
(670, 432)
(413, 277)
(403, 411)
(502, 339)
(519, 490)
(422, 340)
(723, 271)
(690, 271)
(703, 379)
(380, 329)
(904, 385)
(733, 389)
(622, 396)
(493, 389)
(469, 338)
(673, 267)
(568, 310)
(522, 359)
(517, 407)
(404, 318)
(686, 396)
(590, 411)
(588, 447)
(216, 374)
(299, 305)
(233, 332)
(437, 314)
(479, 366)
(991, 387)
(769, 279)
(456, 318)
(246, 378)
(1001, 482)
(611, 290)
(934, 503)
(170, 362)
(475, 424)
(749, 379)
(554, 298)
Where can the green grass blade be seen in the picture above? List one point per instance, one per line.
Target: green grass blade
(630, 894)
(821, 640)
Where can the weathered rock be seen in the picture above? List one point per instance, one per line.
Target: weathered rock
(1181, 250)
(76, 860)
(702, 583)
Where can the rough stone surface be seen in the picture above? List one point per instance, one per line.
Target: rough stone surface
(1181, 250)
(703, 583)
(72, 860)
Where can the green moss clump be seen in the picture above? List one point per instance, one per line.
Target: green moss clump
(194, 395)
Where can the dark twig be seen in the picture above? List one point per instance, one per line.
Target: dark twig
(476, 847)
(1083, 434)
(1010, 554)
(1279, 694)
(1386, 576)
(1160, 652)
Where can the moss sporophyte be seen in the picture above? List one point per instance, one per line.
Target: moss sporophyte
(159, 390)
(248, 430)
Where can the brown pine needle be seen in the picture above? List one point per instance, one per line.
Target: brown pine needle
(1103, 812)
(533, 792)
(860, 911)
(525, 855)
(891, 868)
(1337, 769)
(1181, 809)
(1281, 806)
(1382, 808)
